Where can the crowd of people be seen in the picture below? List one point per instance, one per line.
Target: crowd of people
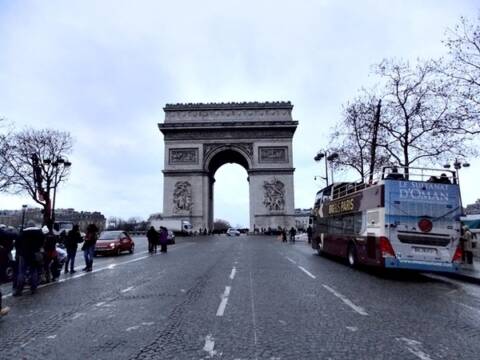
(37, 257)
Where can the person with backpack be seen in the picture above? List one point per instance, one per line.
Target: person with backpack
(72, 239)
(89, 246)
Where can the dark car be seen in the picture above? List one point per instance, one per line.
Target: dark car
(114, 242)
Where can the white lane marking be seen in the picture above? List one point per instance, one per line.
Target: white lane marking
(307, 272)
(150, 323)
(232, 274)
(51, 337)
(131, 328)
(77, 315)
(254, 315)
(414, 347)
(223, 303)
(291, 260)
(126, 290)
(111, 266)
(356, 308)
(468, 307)
(101, 269)
(352, 328)
(100, 303)
(209, 345)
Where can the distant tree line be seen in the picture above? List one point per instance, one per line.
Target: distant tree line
(422, 113)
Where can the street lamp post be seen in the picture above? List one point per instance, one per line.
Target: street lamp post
(24, 209)
(59, 162)
(328, 157)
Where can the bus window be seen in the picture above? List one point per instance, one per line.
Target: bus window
(357, 223)
(348, 224)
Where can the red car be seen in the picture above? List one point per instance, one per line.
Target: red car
(114, 242)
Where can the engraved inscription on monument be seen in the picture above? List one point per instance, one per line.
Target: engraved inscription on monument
(182, 197)
(274, 195)
(272, 154)
(183, 156)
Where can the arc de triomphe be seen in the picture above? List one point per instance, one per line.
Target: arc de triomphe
(200, 138)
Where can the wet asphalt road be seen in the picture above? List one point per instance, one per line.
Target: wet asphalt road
(247, 297)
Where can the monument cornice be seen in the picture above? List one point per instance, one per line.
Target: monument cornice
(255, 105)
(185, 172)
(224, 125)
(271, 171)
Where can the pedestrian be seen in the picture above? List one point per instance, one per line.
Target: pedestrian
(284, 235)
(29, 257)
(50, 255)
(309, 233)
(4, 259)
(89, 246)
(72, 240)
(163, 239)
(468, 243)
(3, 309)
(293, 232)
(152, 237)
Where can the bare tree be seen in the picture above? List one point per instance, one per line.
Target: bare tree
(31, 159)
(462, 69)
(355, 139)
(417, 113)
(5, 176)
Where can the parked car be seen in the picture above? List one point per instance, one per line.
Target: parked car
(114, 242)
(233, 232)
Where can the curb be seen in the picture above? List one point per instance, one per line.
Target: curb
(463, 277)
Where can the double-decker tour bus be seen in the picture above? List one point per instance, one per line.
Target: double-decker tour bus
(404, 220)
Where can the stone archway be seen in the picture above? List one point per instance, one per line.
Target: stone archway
(199, 138)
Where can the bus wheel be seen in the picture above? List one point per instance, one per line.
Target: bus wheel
(352, 256)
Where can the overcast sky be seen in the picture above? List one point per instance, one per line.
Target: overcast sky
(103, 70)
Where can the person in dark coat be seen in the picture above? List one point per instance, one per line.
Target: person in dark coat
(152, 237)
(163, 239)
(293, 232)
(309, 233)
(72, 239)
(6, 244)
(89, 246)
(284, 235)
(29, 257)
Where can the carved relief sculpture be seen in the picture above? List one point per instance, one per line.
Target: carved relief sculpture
(274, 195)
(183, 156)
(182, 197)
(272, 154)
